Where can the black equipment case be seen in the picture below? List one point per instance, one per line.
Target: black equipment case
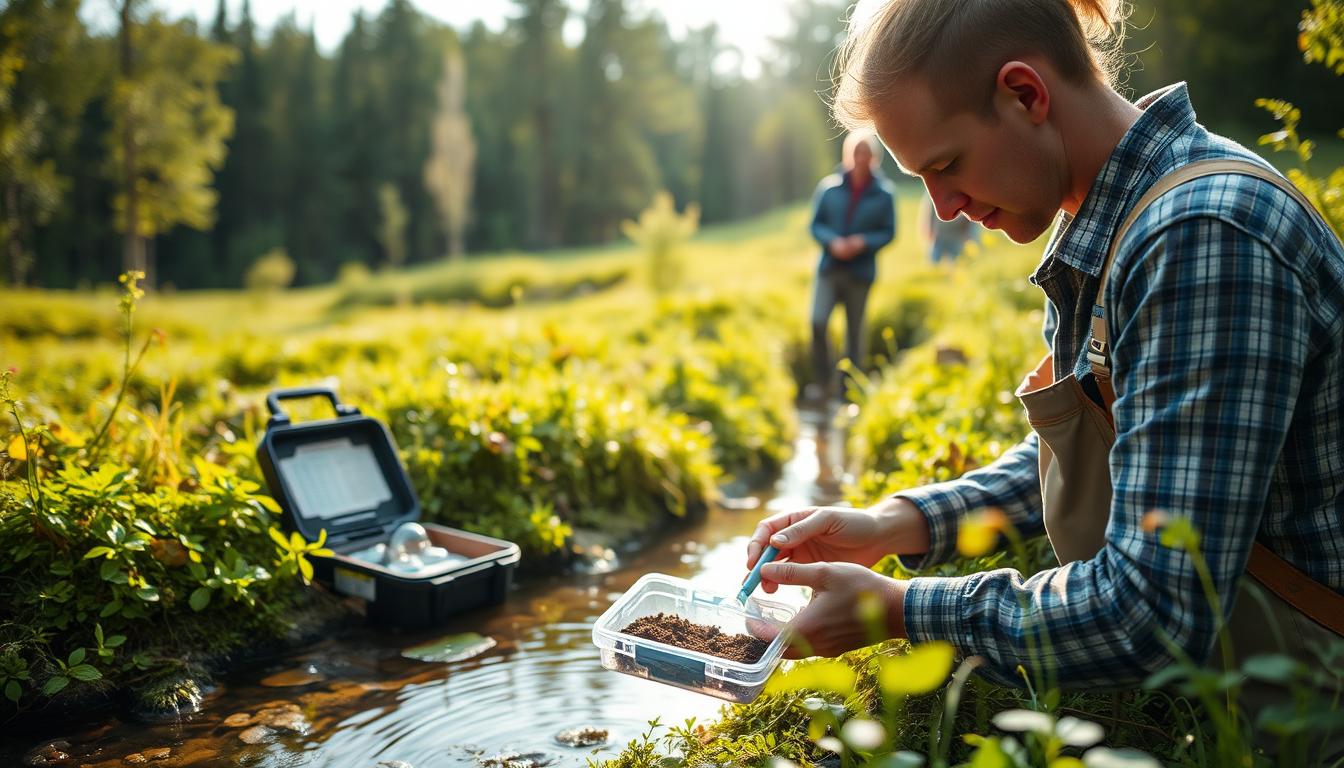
(343, 474)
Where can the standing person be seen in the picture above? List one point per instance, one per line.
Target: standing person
(853, 216)
(947, 239)
(1195, 324)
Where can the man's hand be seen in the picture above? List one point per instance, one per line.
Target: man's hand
(843, 534)
(842, 248)
(833, 622)
(856, 245)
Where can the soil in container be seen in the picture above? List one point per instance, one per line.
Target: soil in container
(674, 630)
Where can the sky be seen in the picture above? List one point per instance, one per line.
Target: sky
(746, 24)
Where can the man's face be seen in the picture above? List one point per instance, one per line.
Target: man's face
(862, 158)
(1000, 172)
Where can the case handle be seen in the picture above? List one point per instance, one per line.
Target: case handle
(278, 415)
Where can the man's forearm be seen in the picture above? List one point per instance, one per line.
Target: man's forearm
(906, 527)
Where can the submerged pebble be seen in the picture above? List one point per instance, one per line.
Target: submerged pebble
(395, 764)
(585, 736)
(257, 734)
(517, 760)
(52, 753)
(238, 720)
(293, 677)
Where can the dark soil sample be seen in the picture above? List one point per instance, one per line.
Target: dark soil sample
(674, 630)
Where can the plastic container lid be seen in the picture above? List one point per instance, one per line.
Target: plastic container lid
(342, 475)
(658, 593)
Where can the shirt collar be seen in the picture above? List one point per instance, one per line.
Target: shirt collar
(1082, 241)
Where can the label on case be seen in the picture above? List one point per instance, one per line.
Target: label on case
(355, 584)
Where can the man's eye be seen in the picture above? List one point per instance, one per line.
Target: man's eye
(951, 165)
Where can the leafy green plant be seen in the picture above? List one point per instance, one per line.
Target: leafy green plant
(1321, 40)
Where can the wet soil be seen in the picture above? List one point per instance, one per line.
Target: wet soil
(683, 633)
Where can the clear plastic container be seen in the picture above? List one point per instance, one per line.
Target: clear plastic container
(658, 593)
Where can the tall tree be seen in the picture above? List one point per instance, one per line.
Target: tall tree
(42, 90)
(539, 28)
(356, 128)
(168, 132)
(302, 171)
(245, 227)
(619, 168)
(450, 170)
(502, 213)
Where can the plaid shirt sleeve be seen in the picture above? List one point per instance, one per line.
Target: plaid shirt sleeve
(1012, 483)
(1210, 335)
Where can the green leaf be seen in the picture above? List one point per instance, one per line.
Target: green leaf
(1271, 668)
(920, 671)
(148, 594)
(457, 647)
(13, 691)
(84, 673)
(115, 641)
(989, 755)
(98, 633)
(116, 532)
(110, 609)
(200, 598)
(108, 569)
(99, 551)
(76, 657)
(835, 676)
(55, 685)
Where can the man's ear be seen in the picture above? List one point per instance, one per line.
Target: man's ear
(1023, 88)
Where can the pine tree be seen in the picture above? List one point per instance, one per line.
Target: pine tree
(451, 166)
(538, 52)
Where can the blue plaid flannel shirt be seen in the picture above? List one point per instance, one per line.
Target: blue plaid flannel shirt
(1226, 315)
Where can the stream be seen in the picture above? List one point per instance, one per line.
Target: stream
(358, 702)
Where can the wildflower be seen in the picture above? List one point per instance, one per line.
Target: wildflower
(979, 533)
(1153, 520)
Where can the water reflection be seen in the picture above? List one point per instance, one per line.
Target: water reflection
(358, 702)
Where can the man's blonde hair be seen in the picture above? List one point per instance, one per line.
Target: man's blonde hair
(958, 46)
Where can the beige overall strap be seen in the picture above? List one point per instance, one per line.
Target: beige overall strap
(1317, 601)
(1098, 348)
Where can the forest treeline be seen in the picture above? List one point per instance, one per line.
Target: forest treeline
(227, 144)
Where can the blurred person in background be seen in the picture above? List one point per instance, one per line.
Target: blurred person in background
(946, 239)
(853, 216)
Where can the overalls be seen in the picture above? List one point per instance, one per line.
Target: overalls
(1076, 436)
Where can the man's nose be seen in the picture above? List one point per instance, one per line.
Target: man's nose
(947, 202)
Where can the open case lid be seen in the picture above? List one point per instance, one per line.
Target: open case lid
(341, 474)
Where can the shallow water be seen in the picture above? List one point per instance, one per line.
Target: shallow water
(358, 702)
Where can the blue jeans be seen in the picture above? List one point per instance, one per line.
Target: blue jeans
(833, 287)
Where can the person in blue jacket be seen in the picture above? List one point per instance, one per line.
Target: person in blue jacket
(853, 216)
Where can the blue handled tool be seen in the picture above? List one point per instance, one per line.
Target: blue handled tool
(754, 578)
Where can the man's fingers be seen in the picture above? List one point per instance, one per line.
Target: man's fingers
(799, 574)
(801, 530)
(767, 528)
